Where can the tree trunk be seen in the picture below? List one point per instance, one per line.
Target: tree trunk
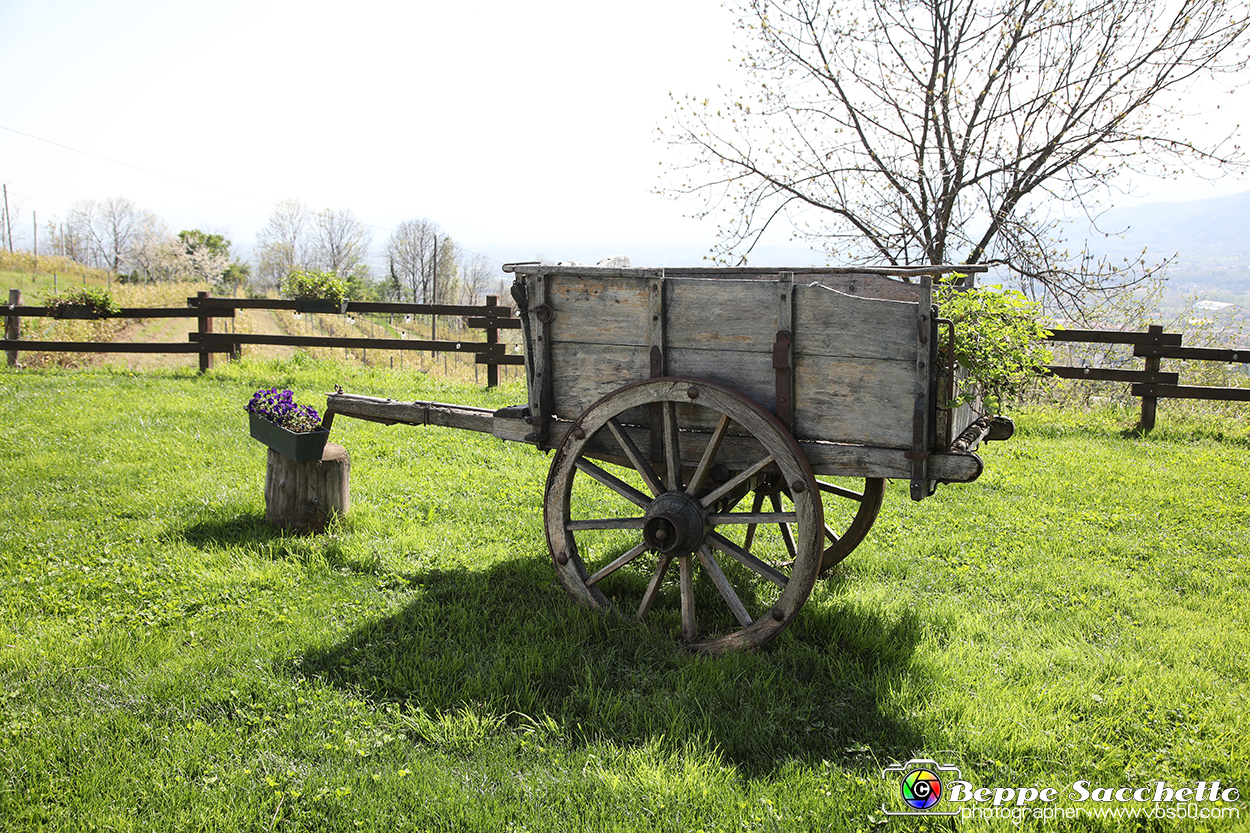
(303, 497)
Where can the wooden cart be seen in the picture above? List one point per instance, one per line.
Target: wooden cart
(721, 436)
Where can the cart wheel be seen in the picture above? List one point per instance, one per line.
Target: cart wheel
(617, 529)
(850, 505)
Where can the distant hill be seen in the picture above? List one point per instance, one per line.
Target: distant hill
(1210, 238)
(1204, 234)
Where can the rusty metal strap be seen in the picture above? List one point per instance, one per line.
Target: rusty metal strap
(784, 378)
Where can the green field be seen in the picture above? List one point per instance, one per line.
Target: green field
(169, 662)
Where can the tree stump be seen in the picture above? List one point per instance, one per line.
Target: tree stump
(303, 497)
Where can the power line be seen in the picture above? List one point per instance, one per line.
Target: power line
(192, 182)
(132, 167)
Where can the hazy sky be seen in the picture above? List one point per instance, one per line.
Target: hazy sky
(525, 129)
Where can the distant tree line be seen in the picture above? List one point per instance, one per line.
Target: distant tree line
(423, 264)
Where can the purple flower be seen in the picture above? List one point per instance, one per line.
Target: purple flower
(278, 406)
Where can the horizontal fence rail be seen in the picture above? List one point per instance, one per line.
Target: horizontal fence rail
(490, 317)
(1151, 384)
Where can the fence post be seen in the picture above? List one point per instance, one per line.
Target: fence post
(1150, 404)
(492, 337)
(206, 326)
(13, 325)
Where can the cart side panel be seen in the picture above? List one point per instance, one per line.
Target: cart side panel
(853, 401)
(865, 284)
(855, 368)
(599, 310)
(854, 357)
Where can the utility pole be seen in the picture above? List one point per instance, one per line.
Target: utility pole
(8, 224)
(434, 295)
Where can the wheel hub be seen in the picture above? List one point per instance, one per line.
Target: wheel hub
(675, 524)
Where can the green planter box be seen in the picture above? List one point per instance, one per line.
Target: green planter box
(301, 448)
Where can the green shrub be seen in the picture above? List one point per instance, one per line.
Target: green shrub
(999, 341)
(101, 300)
(320, 285)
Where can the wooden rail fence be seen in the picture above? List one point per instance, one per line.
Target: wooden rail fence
(1150, 383)
(204, 341)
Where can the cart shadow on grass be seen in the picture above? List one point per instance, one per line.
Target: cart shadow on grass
(505, 641)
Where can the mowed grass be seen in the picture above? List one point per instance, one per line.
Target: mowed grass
(169, 662)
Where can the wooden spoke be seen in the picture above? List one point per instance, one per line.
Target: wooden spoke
(709, 456)
(639, 462)
(727, 592)
(744, 557)
(835, 489)
(756, 505)
(613, 482)
(653, 586)
(605, 523)
(786, 534)
(689, 624)
(617, 563)
(754, 518)
(732, 483)
(672, 447)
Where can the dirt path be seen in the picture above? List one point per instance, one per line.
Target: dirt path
(261, 322)
(175, 330)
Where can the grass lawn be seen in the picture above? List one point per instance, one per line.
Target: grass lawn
(169, 662)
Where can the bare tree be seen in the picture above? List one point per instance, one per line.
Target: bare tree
(412, 252)
(477, 279)
(282, 245)
(104, 234)
(446, 272)
(154, 256)
(929, 131)
(339, 243)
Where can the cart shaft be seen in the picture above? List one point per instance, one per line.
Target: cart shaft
(832, 459)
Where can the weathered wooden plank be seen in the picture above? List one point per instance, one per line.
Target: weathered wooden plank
(1115, 337)
(375, 409)
(831, 323)
(541, 382)
(867, 402)
(1193, 392)
(722, 315)
(864, 284)
(746, 272)
(110, 347)
(124, 312)
(836, 400)
(729, 314)
(493, 323)
(608, 310)
(1202, 354)
(495, 358)
(215, 305)
(584, 373)
(737, 452)
(332, 341)
(1102, 374)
